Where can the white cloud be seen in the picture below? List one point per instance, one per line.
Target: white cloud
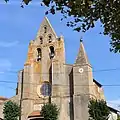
(2, 72)
(5, 65)
(114, 103)
(8, 44)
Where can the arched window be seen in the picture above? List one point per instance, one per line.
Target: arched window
(39, 54)
(49, 38)
(41, 40)
(52, 52)
(45, 29)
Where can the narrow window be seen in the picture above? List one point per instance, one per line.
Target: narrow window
(41, 40)
(45, 29)
(49, 38)
(39, 54)
(59, 39)
(52, 52)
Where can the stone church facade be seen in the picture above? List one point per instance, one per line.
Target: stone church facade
(47, 78)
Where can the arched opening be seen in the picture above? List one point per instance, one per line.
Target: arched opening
(49, 38)
(39, 54)
(52, 52)
(35, 115)
(45, 29)
(35, 118)
(41, 40)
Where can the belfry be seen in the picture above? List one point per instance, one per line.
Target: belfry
(46, 77)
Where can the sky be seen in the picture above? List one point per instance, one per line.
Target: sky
(20, 25)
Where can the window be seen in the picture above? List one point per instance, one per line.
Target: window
(39, 54)
(41, 40)
(45, 29)
(59, 39)
(52, 52)
(49, 38)
(45, 89)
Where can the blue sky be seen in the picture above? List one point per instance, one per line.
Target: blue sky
(20, 25)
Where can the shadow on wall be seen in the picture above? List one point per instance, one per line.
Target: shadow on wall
(71, 83)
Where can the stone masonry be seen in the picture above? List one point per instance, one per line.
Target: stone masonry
(71, 85)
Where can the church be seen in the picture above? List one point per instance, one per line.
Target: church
(46, 77)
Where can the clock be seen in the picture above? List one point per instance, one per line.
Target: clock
(80, 70)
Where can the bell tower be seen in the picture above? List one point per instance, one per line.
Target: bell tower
(51, 49)
(46, 55)
(83, 83)
(44, 64)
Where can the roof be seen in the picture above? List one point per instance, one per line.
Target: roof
(82, 56)
(47, 23)
(35, 114)
(97, 83)
(3, 98)
(113, 109)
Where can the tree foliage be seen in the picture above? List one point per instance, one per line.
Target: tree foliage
(98, 110)
(50, 111)
(118, 118)
(11, 111)
(85, 13)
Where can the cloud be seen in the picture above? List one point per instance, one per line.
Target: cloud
(8, 44)
(114, 103)
(5, 65)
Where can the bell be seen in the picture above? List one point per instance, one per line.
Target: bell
(52, 55)
(39, 58)
(50, 40)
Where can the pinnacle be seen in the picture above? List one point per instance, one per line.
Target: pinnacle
(82, 56)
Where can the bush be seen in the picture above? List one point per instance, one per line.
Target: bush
(11, 111)
(98, 110)
(50, 111)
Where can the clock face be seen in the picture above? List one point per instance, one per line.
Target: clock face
(80, 70)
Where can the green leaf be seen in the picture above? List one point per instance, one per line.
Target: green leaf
(98, 110)
(11, 111)
(50, 111)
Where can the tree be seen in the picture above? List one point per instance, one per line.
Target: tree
(11, 111)
(98, 110)
(50, 111)
(85, 13)
(118, 118)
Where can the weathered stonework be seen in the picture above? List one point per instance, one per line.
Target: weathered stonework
(72, 85)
